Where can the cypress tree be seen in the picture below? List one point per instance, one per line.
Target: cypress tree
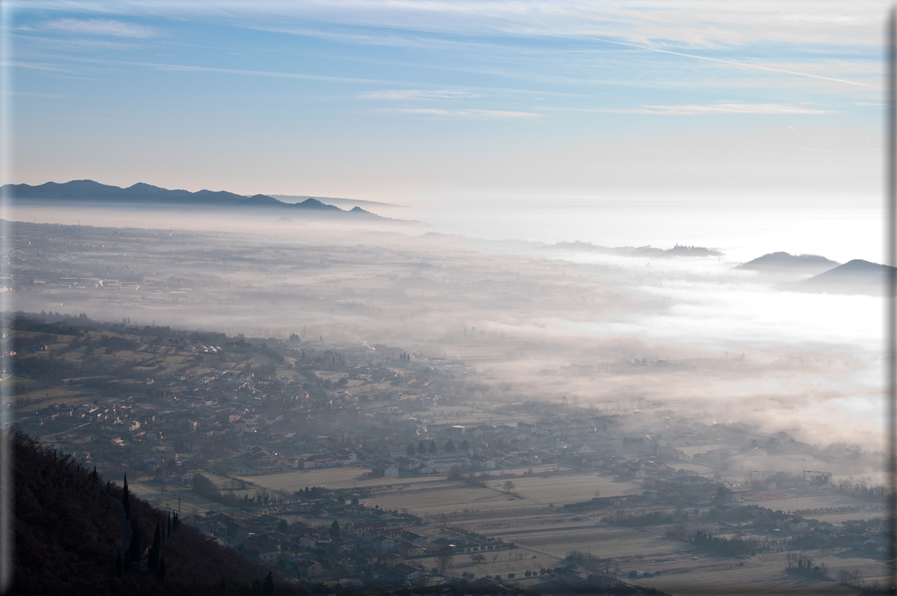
(268, 585)
(126, 499)
(160, 572)
(118, 569)
(169, 525)
(134, 548)
(155, 551)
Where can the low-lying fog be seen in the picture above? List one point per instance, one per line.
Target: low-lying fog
(611, 332)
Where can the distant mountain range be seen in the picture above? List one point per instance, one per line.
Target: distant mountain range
(640, 251)
(856, 276)
(146, 195)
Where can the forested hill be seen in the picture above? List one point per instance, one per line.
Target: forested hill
(78, 534)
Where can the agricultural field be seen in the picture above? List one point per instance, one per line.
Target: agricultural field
(446, 498)
(502, 562)
(599, 540)
(341, 477)
(570, 488)
(837, 518)
(766, 575)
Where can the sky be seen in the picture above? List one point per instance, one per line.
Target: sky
(402, 101)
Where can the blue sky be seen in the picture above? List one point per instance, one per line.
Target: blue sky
(405, 101)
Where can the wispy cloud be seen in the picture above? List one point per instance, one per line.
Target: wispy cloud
(99, 27)
(725, 108)
(503, 114)
(415, 94)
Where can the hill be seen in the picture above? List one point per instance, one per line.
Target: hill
(678, 250)
(73, 536)
(785, 263)
(854, 277)
(334, 201)
(88, 192)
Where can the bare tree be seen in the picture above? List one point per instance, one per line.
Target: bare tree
(509, 486)
(445, 561)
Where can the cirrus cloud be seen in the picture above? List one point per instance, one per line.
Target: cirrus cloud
(99, 27)
(412, 94)
(471, 113)
(718, 108)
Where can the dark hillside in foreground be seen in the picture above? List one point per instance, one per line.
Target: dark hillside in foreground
(71, 530)
(785, 263)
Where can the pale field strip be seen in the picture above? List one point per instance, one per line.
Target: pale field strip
(454, 500)
(341, 477)
(572, 488)
(541, 470)
(634, 544)
(812, 502)
(742, 580)
(836, 518)
(549, 524)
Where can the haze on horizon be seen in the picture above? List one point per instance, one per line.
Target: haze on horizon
(412, 103)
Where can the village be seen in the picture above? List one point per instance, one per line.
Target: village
(347, 463)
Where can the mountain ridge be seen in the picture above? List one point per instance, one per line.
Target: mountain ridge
(783, 262)
(143, 194)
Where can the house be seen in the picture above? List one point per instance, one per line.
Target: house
(366, 530)
(268, 554)
(236, 529)
(344, 546)
(384, 543)
(404, 574)
(305, 541)
(409, 549)
(415, 539)
(483, 462)
(309, 569)
(409, 573)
